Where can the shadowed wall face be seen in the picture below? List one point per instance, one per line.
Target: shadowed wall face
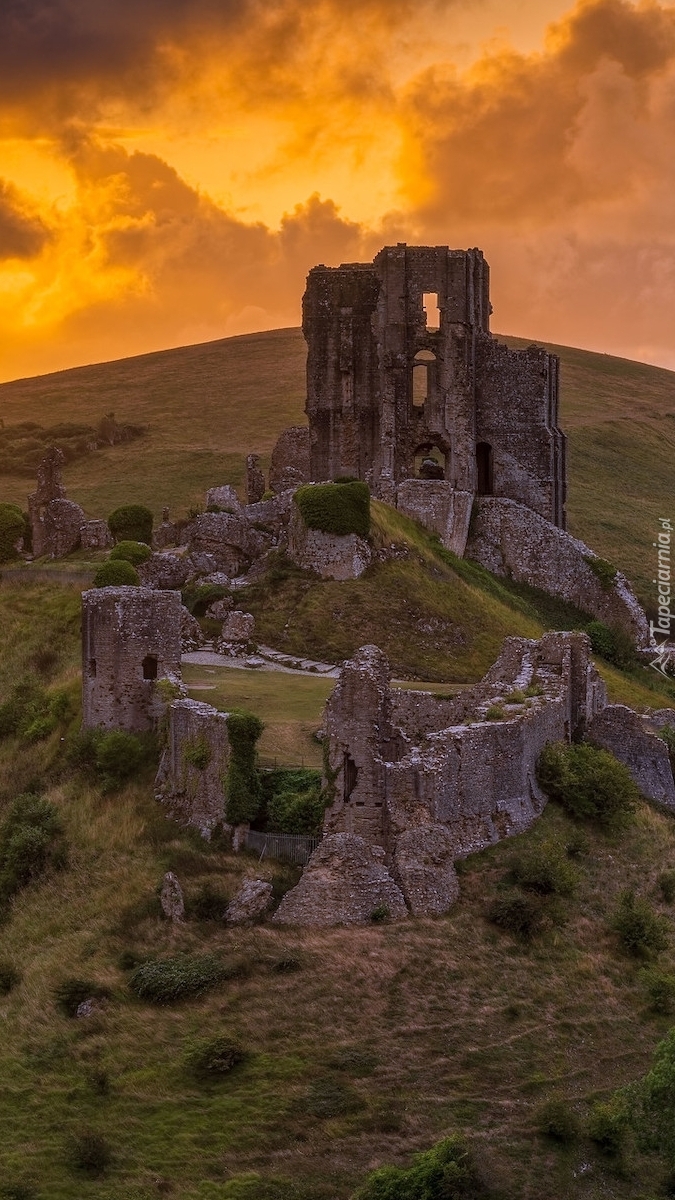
(484, 417)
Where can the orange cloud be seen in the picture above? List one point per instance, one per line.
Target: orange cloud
(180, 121)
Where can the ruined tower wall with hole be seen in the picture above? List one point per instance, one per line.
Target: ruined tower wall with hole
(386, 387)
(131, 637)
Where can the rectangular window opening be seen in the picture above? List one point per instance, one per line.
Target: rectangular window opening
(432, 312)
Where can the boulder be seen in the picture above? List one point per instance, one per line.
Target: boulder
(191, 635)
(165, 571)
(220, 609)
(344, 883)
(238, 627)
(424, 870)
(224, 497)
(250, 903)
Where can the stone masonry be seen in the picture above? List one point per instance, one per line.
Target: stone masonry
(330, 555)
(56, 522)
(131, 637)
(431, 780)
(191, 777)
(389, 385)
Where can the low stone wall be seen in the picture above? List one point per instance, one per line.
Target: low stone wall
(437, 505)
(332, 556)
(514, 541)
(190, 779)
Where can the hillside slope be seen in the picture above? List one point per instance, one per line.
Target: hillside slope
(206, 406)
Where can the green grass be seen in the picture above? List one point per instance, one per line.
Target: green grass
(207, 406)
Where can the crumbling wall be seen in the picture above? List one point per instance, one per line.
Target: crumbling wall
(131, 638)
(192, 772)
(229, 538)
(512, 540)
(428, 781)
(620, 730)
(437, 505)
(331, 555)
(56, 522)
(290, 462)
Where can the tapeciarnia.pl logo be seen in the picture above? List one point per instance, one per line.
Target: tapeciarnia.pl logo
(665, 650)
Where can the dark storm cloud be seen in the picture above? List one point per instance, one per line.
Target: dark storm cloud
(22, 235)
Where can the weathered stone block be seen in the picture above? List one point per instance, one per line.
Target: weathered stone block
(423, 868)
(171, 898)
(331, 555)
(224, 497)
(344, 882)
(238, 627)
(250, 904)
(95, 535)
(289, 465)
(164, 570)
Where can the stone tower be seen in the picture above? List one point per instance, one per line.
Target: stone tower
(131, 636)
(405, 381)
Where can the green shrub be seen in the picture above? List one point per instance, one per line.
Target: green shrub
(641, 931)
(380, 913)
(72, 992)
(556, 1120)
(242, 787)
(31, 841)
(211, 1058)
(495, 713)
(603, 570)
(90, 1153)
(9, 977)
(446, 1172)
(132, 552)
(607, 1127)
(12, 528)
(33, 713)
(338, 508)
(296, 809)
(590, 784)
(197, 753)
(614, 645)
(653, 1101)
(544, 868)
(131, 523)
(666, 882)
(118, 756)
(660, 990)
(169, 980)
(116, 573)
(516, 913)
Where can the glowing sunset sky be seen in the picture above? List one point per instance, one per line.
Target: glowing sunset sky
(170, 169)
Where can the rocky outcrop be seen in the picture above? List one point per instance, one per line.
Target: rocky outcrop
(514, 541)
(344, 883)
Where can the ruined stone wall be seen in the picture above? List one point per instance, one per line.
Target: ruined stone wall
(368, 341)
(517, 417)
(191, 776)
(512, 540)
(426, 781)
(131, 637)
(290, 462)
(437, 505)
(331, 555)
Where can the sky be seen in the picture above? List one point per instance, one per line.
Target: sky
(171, 169)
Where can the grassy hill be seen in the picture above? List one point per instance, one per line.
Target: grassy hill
(207, 406)
(361, 1046)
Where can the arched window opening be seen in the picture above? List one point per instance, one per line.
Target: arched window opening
(430, 462)
(150, 667)
(422, 366)
(432, 313)
(484, 469)
(351, 774)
